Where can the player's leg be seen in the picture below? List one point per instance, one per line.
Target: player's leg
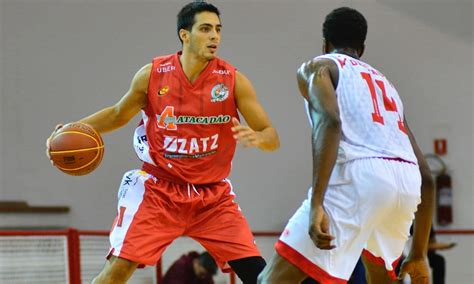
(387, 241)
(116, 271)
(135, 239)
(376, 272)
(248, 268)
(438, 267)
(279, 270)
(354, 205)
(222, 229)
(297, 257)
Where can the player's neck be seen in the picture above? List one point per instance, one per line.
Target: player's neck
(346, 51)
(192, 65)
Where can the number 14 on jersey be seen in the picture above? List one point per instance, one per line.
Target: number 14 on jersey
(389, 103)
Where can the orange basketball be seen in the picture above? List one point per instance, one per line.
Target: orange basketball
(76, 149)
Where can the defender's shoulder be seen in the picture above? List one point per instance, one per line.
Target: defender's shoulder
(312, 66)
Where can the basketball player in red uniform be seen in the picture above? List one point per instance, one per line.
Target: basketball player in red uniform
(187, 139)
(369, 176)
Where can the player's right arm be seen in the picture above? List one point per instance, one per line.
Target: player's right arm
(316, 83)
(123, 111)
(415, 263)
(116, 116)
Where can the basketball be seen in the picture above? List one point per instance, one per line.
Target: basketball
(76, 149)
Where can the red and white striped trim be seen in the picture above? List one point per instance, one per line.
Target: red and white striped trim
(311, 269)
(379, 261)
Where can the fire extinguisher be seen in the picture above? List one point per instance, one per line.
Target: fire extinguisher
(444, 191)
(444, 200)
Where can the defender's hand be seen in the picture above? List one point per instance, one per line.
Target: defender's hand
(245, 135)
(319, 229)
(417, 268)
(48, 146)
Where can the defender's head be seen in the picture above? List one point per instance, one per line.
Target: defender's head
(344, 28)
(199, 29)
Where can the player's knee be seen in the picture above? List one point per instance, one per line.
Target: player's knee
(248, 269)
(111, 277)
(116, 271)
(275, 275)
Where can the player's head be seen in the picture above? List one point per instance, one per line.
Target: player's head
(204, 266)
(199, 28)
(344, 28)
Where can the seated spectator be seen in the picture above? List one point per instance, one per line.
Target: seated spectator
(436, 261)
(192, 268)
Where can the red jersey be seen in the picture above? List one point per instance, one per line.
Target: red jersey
(185, 135)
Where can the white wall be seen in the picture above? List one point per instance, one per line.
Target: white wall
(1, 96)
(67, 59)
(458, 259)
(62, 60)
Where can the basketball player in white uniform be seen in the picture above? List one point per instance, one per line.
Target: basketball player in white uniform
(370, 179)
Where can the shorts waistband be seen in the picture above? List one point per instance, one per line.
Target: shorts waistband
(161, 174)
(396, 159)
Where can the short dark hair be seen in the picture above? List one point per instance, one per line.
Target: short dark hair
(186, 17)
(206, 261)
(345, 28)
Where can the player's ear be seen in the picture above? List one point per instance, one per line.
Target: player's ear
(184, 35)
(325, 46)
(361, 51)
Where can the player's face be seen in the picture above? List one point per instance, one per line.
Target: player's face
(199, 270)
(205, 35)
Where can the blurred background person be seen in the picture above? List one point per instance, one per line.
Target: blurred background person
(437, 261)
(192, 268)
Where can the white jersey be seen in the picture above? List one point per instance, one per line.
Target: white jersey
(371, 113)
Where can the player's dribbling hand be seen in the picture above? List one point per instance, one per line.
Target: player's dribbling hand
(245, 135)
(319, 229)
(48, 142)
(417, 268)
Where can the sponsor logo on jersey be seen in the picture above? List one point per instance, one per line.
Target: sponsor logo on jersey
(220, 119)
(219, 93)
(167, 120)
(221, 72)
(166, 67)
(198, 147)
(127, 180)
(163, 91)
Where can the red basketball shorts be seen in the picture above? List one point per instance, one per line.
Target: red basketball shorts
(151, 213)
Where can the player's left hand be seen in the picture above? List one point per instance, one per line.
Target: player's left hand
(245, 135)
(417, 268)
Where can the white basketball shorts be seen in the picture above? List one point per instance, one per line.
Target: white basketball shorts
(371, 205)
